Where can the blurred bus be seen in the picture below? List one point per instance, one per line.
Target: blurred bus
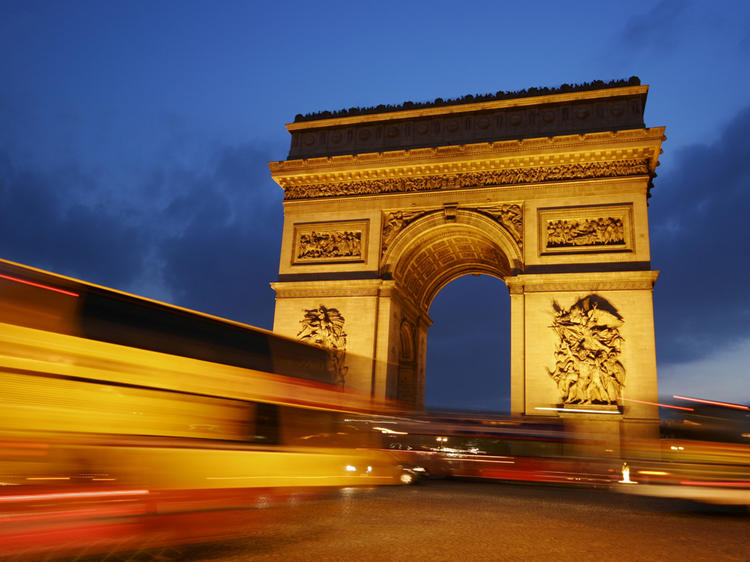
(108, 397)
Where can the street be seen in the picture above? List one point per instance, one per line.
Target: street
(466, 520)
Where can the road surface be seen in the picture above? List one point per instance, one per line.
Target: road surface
(466, 520)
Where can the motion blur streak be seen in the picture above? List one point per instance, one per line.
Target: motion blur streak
(713, 483)
(578, 410)
(659, 404)
(125, 420)
(67, 495)
(713, 402)
(39, 285)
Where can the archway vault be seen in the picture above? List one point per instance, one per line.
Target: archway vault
(433, 252)
(547, 193)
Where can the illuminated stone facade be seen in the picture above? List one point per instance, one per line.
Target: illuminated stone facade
(547, 193)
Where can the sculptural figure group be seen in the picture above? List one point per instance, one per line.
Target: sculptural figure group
(324, 327)
(602, 231)
(330, 244)
(587, 367)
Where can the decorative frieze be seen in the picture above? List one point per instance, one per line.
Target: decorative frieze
(585, 232)
(587, 354)
(507, 176)
(329, 242)
(338, 244)
(586, 229)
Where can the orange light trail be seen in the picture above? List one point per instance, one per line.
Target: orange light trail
(39, 285)
(712, 402)
(66, 495)
(658, 404)
(708, 483)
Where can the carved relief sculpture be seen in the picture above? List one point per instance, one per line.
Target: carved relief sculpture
(585, 232)
(395, 221)
(324, 327)
(620, 168)
(510, 216)
(587, 367)
(336, 244)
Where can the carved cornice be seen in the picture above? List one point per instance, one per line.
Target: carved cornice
(595, 281)
(541, 151)
(510, 176)
(316, 289)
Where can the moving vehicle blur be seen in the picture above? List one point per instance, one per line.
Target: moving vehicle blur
(498, 447)
(703, 454)
(122, 417)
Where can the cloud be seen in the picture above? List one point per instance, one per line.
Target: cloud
(40, 224)
(700, 235)
(659, 27)
(204, 238)
(226, 251)
(714, 377)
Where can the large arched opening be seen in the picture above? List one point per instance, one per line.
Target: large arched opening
(460, 248)
(468, 348)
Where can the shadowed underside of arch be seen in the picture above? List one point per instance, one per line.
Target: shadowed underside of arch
(444, 253)
(440, 247)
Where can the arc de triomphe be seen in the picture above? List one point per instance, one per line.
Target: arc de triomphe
(545, 190)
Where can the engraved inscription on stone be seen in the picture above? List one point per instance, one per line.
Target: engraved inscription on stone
(602, 231)
(587, 354)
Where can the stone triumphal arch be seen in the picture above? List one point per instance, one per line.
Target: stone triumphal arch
(545, 190)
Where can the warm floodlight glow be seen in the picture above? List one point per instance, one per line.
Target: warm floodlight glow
(722, 483)
(712, 402)
(39, 285)
(626, 475)
(391, 431)
(65, 495)
(350, 468)
(580, 411)
(48, 478)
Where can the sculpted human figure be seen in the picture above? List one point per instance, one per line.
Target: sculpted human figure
(324, 327)
(587, 369)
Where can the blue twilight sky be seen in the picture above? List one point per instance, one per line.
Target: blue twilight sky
(135, 136)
